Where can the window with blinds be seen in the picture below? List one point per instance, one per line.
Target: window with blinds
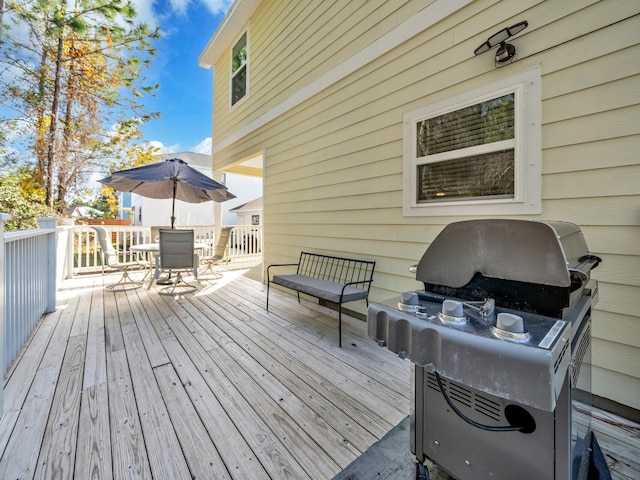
(239, 61)
(476, 153)
(467, 153)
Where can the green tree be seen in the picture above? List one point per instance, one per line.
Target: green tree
(21, 197)
(107, 202)
(76, 75)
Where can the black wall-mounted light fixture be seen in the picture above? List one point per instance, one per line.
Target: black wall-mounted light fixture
(505, 51)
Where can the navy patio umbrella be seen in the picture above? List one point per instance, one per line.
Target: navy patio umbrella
(174, 179)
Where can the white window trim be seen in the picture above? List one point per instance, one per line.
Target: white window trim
(231, 104)
(528, 146)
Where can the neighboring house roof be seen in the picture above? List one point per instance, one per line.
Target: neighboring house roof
(192, 158)
(84, 212)
(255, 204)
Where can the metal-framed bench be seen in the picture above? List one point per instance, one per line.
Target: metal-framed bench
(333, 279)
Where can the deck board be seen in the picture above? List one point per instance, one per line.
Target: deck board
(93, 455)
(119, 385)
(95, 368)
(20, 457)
(200, 452)
(268, 390)
(255, 429)
(129, 454)
(314, 366)
(620, 442)
(57, 452)
(237, 455)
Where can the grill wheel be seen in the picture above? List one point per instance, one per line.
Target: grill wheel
(421, 472)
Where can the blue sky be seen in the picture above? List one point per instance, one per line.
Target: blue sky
(185, 94)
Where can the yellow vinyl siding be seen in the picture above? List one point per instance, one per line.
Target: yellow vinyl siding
(600, 154)
(610, 182)
(320, 36)
(616, 327)
(613, 385)
(333, 163)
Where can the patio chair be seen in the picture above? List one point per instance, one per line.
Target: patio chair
(218, 252)
(111, 258)
(177, 255)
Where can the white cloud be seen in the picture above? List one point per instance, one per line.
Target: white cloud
(179, 6)
(217, 6)
(162, 148)
(156, 144)
(149, 12)
(145, 12)
(203, 147)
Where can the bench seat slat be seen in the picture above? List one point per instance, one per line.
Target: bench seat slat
(323, 289)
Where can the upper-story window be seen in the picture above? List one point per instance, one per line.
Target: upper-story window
(239, 69)
(477, 153)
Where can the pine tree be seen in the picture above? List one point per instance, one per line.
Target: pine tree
(76, 81)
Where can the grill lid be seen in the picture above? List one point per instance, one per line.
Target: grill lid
(544, 253)
(533, 266)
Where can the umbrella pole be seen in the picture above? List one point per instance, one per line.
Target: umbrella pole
(168, 281)
(173, 205)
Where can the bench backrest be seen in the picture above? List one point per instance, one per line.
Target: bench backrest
(337, 269)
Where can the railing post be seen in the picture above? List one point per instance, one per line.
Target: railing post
(67, 272)
(50, 224)
(3, 217)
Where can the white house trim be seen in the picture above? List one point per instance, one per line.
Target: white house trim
(528, 145)
(414, 25)
(231, 26)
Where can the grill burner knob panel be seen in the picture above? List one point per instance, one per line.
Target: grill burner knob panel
(432, 341)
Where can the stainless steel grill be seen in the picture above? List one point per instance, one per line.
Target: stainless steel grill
(501, 339)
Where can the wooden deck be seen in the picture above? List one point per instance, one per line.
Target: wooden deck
(139, 385)
(208, 386)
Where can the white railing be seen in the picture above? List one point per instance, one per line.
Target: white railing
(245, 243)
(28, 265)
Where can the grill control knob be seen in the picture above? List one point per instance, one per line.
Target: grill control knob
(452, 313)
(452, 308)
(410, 298)
(510, 323)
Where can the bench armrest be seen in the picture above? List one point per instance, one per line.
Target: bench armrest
(281, 265)
(361, 282)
